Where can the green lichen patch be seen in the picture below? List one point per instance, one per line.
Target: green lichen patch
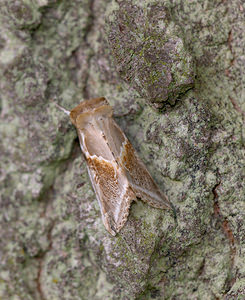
(149, 52)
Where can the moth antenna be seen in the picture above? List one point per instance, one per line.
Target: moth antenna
(67, 112)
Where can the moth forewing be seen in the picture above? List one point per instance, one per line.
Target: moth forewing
(117, 174)
(140, 179)
(108, 178)
(138, 176)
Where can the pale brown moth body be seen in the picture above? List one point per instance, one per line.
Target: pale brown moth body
(116, 172)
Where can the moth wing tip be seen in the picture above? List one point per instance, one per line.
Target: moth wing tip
(167, 203)
(107, 224)
(168, 206)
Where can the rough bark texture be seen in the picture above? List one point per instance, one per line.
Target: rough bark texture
(184, 58)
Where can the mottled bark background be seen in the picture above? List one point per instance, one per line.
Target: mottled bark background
(174, 70)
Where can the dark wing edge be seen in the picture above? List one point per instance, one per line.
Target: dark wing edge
(140, 179)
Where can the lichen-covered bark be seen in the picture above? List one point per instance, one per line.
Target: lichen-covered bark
(184, 58)
(149, 51)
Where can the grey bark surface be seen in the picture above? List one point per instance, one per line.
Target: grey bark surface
(174, 72)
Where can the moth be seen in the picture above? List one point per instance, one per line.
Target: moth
(117, 174)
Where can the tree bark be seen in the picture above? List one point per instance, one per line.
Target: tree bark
(174, 72)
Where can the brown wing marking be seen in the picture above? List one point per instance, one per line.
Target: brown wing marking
(140, 179)
(113, 192)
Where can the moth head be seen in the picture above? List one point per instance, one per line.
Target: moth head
(93, 108)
